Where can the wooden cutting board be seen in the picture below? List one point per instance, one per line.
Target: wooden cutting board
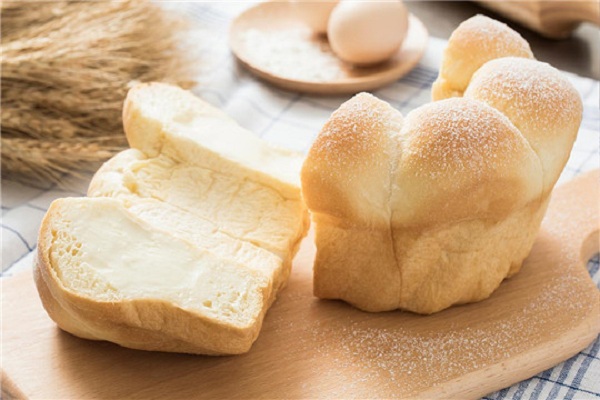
(326, 349)
(551, 18)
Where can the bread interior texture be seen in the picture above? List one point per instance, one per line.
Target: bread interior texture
(172, 122)
(184, 240)
(101, 251)
(241, 208)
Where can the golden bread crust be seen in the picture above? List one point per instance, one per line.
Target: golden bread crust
(541, 104)
(346, 172)
(461, 149)
(475, 42)
(145, 324)
(463, 182)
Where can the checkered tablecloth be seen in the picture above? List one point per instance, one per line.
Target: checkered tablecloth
(293, 120)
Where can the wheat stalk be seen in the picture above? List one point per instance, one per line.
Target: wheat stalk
(37, 161)
(66, 67)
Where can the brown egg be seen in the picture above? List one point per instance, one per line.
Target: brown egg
(365, 33)
(315, 14)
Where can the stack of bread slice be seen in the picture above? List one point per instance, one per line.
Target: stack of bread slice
(183, 241)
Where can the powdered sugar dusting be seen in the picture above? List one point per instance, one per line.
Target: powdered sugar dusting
(291, 53)
(397, 354)
(493, 37)
(476, 41)
(534, 94)
(460, 137)
(356, 135)
(353, 124)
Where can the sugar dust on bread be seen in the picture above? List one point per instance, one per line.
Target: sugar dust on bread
(437, 208)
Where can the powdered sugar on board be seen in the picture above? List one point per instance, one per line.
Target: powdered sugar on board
(539, 317)
(400, 354)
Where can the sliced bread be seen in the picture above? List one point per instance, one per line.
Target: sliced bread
(184, 240)
(108, 275)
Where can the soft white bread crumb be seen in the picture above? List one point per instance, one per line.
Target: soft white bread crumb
(93, 250)
(184, 241)
(243, 208)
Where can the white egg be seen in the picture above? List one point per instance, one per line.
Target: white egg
(367, 32)
(313, 13)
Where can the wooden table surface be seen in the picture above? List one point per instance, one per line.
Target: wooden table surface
(579, 54)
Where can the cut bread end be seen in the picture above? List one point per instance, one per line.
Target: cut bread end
(110, 270)
(164, 119)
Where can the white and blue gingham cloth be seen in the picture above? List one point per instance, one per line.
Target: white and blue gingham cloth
(293, 120)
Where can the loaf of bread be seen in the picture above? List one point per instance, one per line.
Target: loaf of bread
(183, 241)
(438, 208)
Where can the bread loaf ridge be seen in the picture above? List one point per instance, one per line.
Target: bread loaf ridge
(435, 209)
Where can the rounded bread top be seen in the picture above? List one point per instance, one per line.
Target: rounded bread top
(475, 42)
(539, 101)
(346, 172)
(461, 159)
(502, 146)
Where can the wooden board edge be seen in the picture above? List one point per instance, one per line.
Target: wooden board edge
(493, 378)
(9, 390)
(570, 343)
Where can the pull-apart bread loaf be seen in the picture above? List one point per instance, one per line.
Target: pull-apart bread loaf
(185, 239)
(438, 208)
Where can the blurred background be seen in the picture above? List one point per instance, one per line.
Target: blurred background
(578, 53)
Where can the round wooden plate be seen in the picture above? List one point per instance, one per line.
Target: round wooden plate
(270, 41)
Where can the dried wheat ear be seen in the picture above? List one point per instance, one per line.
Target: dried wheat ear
(66, 68)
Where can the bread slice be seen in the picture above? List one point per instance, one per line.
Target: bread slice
(163, 119)
(110, 276)
(244, 209)
(182, 229)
